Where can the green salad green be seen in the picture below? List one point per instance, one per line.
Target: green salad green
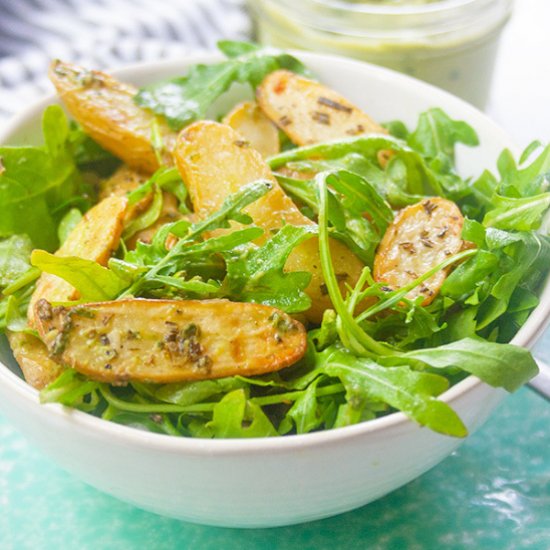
(361, 363)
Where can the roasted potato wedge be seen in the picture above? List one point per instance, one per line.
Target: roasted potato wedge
(122, 182)
(106, 110)
(421, 236)
(165, 341)
(214, 163)
(309, 112)
(95, 238)
(32, 356)
(250, 121)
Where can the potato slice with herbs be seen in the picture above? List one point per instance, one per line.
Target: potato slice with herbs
(165, 341)
(122, 182)
(32, 356)
(422, 236)
(309, 112)
(214, 163)
(250, 121)
(106, 110)
(94, 238)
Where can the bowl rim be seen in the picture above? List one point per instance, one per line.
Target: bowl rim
(525, 337)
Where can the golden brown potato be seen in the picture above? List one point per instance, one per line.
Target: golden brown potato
(214, 163)
(421, 237)
(122, 182)
(250, 121)
(94, 238)
(165, 341)
(38, 368)
(309, 112)
(106, 110)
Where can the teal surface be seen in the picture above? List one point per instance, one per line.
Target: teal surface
(494, 492)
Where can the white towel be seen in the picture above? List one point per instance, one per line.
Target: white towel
(103, 34)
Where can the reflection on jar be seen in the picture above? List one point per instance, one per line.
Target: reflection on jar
(449, 43)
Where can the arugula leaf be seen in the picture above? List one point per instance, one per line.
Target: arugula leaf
(327, 333)
(73, 390)
(189, 393)
(361, 197)
(231, 209)
(404, 389)
(524, 258)
(500, 365)
(397, 129)
(167, 178)
(194, 287)
(186, 259)
(235, 416)
(351, 200)
(257, 274)
(157, 423)
(465, 278)
(147, 218)
(364, 145)
(185, 99)
(407, 178)
(531, 180)
(520, 214)
(36, 181)
(15, 252)
(305, 410)
(94, 282)
(160, 261)
(68, 222)
(437, 134)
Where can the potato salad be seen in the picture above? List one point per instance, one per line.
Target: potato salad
(282, 265)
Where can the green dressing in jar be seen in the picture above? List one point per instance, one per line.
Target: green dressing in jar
(449, 43)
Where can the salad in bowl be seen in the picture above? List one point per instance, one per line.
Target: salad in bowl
(210, 268)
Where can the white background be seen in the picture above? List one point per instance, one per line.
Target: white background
(520, 96)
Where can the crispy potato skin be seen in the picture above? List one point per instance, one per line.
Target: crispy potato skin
(165, 341)
(309, 112)
(250, 121)
(32, 356)
(106, 110)
(94, 238)
(421, 236)
(214, 163)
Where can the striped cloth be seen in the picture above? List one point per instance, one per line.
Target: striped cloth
(103, 33)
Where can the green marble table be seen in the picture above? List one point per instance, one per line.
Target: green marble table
(494, 492)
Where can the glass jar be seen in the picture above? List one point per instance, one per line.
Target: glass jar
(449, 43)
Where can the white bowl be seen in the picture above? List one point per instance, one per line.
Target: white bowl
(265, 482)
